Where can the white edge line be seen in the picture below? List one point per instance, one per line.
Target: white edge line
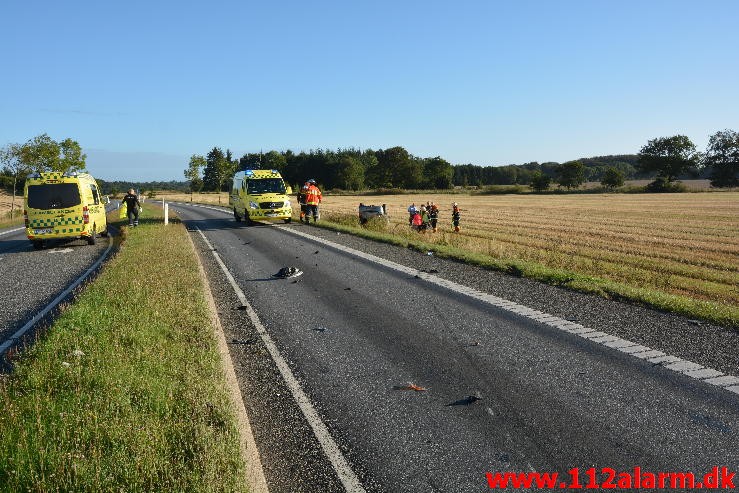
(14, 338)
(8, 231)
(341, 466)
(254, 470)
(521, 310)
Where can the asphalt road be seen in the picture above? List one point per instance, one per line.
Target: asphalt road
(31, 279)
(357, 334)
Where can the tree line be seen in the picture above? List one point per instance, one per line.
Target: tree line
(665, 160)
(347, 169)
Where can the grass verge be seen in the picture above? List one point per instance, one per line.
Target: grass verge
(8, 222)
(125, 392)
(718, 313)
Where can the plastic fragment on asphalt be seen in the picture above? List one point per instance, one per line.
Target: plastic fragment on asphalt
(410, 386)
(287, 272)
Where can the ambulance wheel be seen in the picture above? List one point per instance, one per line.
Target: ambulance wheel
(288, 220)
(236, 216)
(92, 239)
(37, 244)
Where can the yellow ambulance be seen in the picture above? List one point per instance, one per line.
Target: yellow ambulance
(63, 206)
(260, 195)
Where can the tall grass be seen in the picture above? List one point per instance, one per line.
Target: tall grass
(125, 392)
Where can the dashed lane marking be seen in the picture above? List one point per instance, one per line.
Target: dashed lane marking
(8, 231)
(341, 466)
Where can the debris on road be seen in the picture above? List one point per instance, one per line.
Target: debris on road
(286, 272)
(466, 401)
(410, 386)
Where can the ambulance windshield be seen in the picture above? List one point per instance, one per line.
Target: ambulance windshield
(53, 196)
(265, 185)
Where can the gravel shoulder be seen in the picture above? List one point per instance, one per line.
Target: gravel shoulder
(709, 345)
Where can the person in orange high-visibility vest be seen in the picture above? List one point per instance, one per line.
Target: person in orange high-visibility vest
(312, 199)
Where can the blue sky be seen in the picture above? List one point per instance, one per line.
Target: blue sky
(142, 85)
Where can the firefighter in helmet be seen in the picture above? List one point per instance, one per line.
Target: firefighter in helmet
(312, 200)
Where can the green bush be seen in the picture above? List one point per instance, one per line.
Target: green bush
(663, 185)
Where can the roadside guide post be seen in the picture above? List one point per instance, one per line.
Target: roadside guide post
(166, 213)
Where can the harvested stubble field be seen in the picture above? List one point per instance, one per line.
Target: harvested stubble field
(682, 244)
(6, 200)
(198, 198)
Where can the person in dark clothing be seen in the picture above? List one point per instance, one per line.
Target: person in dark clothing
(132, 207)
(433, 213)
(455, 217)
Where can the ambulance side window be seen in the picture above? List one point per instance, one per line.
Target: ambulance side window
(95, 195)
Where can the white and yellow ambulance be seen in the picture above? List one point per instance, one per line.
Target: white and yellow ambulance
(63, 206)
(260, 195)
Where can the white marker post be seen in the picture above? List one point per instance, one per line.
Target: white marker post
(166, 213)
